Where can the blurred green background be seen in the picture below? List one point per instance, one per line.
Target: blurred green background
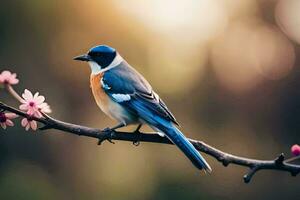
(228, 70)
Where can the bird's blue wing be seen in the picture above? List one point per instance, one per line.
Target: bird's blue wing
(128, 88)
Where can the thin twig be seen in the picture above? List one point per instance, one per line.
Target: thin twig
(11, 90)
(225, 158)
(293, 159)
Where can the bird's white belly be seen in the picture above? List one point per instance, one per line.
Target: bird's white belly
(117, 112)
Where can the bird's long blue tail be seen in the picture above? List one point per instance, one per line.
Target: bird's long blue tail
(175, 135)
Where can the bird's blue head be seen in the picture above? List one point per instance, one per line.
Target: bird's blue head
(102, 55)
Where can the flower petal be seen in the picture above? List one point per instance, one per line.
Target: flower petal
(14, 81)
(11, 115)
(43, 105)
(45, 108)
(9, 123)
(27, 95)
(40, 99)
(38, 114)
(24, 122)
(33, 125)
(3, 125)
(23, 107)
(32, 110)
(6, 74)
(27, 127)
(36, 95)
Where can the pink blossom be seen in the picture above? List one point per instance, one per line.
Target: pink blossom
(34, 104)
(6, 77)
(6, 119)
(28, 123)
(295, 149)
(45, 108)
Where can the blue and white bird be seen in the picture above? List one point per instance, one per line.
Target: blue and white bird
(125, 95)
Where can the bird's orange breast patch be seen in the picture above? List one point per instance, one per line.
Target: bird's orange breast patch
(99, 94)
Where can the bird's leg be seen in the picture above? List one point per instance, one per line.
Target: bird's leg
(137, 130)
(120, 125)
(110, 131)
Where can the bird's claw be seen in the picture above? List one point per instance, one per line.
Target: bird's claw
(137, 142)
(103, 139)
(107, 134)
(110, 140)
(100, 141)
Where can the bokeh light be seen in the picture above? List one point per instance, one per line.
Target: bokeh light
(249, 52)
(177, 18)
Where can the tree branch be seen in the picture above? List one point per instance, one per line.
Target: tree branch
(254, 165)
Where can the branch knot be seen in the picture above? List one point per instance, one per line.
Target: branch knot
(279, 160)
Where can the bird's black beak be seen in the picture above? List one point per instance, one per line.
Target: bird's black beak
(84, 57)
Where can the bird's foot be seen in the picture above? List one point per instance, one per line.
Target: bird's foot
(136, 143)
(106, 134)
(137, 131)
